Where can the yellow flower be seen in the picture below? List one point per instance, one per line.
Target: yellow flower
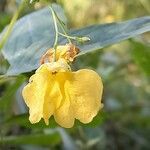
(55, 90)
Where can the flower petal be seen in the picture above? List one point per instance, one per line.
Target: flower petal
(64, 115)
(52, 100)
(35, 91)
(86, 93)
(66, 95)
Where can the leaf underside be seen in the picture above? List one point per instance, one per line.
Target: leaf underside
(34, 34)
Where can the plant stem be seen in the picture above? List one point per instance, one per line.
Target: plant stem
(56, 31)
(11, 25)
(63, 27)
(79, 39)
(67, 36)
(145, 4)
(4, 78)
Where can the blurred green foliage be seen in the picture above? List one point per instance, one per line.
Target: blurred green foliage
(124, 122)
(141, 55)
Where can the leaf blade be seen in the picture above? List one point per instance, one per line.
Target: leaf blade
(141, 56)
(33, 139)
(24, 56)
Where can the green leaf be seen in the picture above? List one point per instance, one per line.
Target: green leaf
(34, 34)
(33, 139)
(22, 120)
(6, 98)
(141, 55)
(31, 37)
